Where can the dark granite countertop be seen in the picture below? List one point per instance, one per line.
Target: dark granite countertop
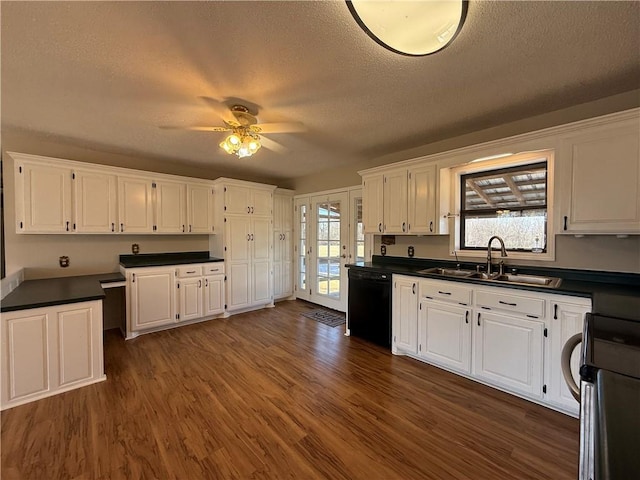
(163, 259)
(57, 291)
(612, 294)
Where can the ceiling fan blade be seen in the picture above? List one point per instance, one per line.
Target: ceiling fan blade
(282, 127)
(221, 109)
(271, 145)
(196, 128)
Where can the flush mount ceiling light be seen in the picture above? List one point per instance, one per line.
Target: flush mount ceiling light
(414, 28)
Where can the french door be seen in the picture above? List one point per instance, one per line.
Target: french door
(328, 236)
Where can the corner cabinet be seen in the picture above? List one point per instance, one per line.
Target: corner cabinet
(600, 178)
(504, 337)
(50, 350)
(244, 225)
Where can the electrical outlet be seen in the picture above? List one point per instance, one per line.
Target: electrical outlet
(383, 249)
(410, 251)
(64, 261)
(135, 248)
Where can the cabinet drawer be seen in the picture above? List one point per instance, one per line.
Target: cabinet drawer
(506, 301)
(186, 271)
(446, 291)
(214, 268)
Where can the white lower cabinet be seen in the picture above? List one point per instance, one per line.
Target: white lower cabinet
(49, 350)
(508, 352)
(507, 338)
(567, 318)
(444, 335)
(404, 318)
(160, 297)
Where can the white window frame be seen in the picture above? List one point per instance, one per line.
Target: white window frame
(511, 160)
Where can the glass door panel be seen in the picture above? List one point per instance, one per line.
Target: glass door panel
(302, 248)
(330, 252)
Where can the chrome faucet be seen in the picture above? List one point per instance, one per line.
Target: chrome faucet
(503, 252)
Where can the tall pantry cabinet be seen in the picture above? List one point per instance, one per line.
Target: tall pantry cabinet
(244, 226)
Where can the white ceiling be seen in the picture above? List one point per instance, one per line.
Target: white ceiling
(106, 75)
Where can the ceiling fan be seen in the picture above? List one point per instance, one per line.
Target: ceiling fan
(246, 135)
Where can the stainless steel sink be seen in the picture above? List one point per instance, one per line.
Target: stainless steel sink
(518, 279)
(541, 281)
(449, 272)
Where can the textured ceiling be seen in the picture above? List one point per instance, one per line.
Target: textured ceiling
(106, 75)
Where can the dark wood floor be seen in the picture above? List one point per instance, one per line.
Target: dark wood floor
(273, 394)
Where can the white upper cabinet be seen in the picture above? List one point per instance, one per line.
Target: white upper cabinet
(43, 197)
(401, 201)
(600, 179)
(170, 207)
(422, 199)
(241, 199)
(373, 204)
(95, 201)
(199, 208)
(395, 202)
(135, 205)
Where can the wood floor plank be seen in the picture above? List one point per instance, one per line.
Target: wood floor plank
(272, 394)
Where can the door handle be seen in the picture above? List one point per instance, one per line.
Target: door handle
(507, 303)
(67, 226)
(343, 255)
(199, 283)
(206, 282)
(555, 311)
(133, 278)
(478, 318)
(466, 317)
(413, 288)
(380, 227)
(248, 209)
(113, 227)
(403, 226)
(252, 237)
(189, 228)
(248, 237)
(122, 227)
(431, 226)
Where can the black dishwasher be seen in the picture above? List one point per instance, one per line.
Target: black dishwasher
(370, 306)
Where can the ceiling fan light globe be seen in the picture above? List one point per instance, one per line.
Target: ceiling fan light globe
(234, 139)
(254, 146)
(226, 146)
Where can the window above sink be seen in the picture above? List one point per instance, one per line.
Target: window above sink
(510, 196)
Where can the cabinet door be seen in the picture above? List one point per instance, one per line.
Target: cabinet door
(25, 356)
(422, 200)
(238, 239)
(566, 320)
(152, 298)
(278, 246)
(238, 287)
(78, 340)
(135, 205)
(237, 200)
(405, 315)
(444, 335)
(95, 202)
(601, 180)
(508, 352)
(262, 202)
(43, 198)
(189, 291)
(373, 204)
(171, 208)
(395, 202)
(199, 208)
(213, 295)
(261, 259)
